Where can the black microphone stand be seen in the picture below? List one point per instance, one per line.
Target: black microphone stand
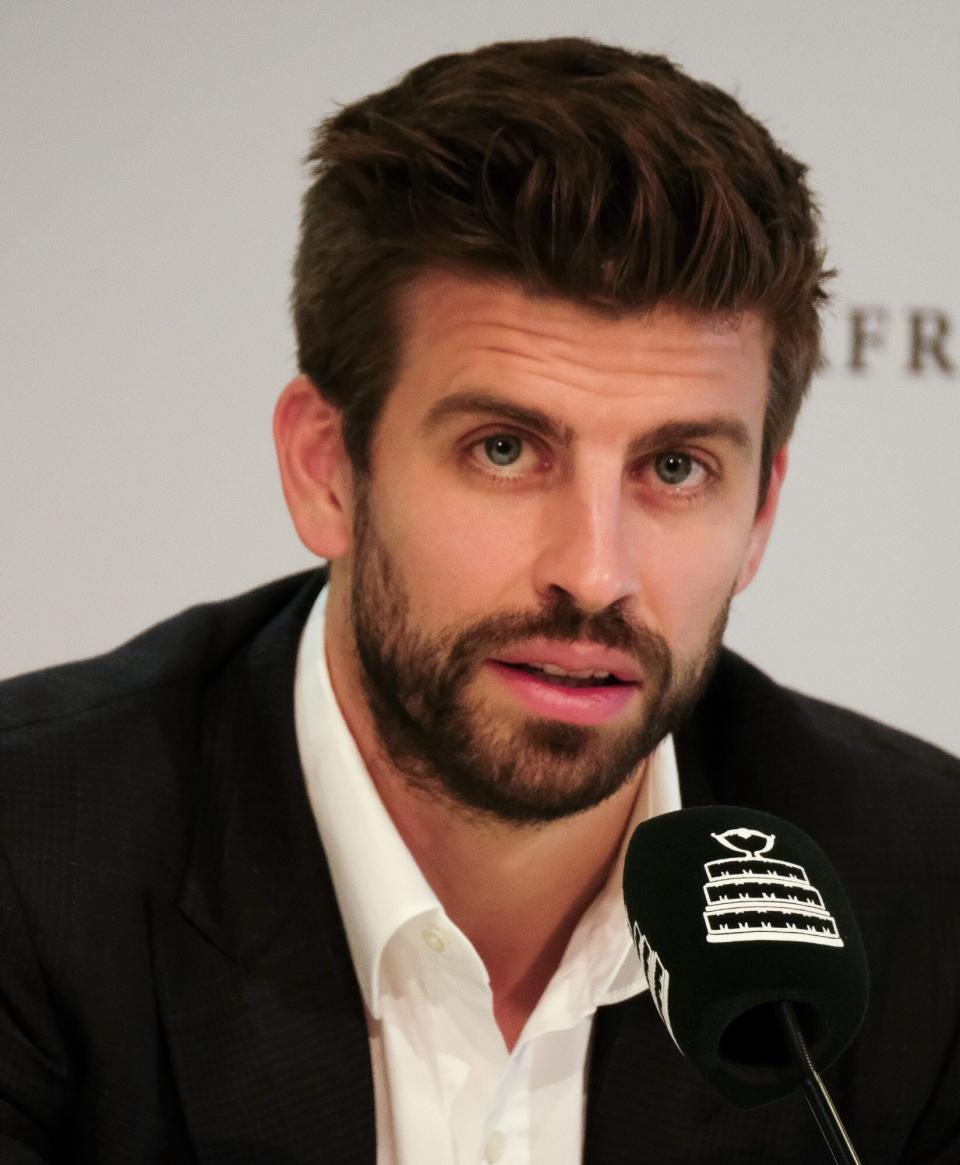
(818, 1099)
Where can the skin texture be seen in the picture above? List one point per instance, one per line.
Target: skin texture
(538, 472)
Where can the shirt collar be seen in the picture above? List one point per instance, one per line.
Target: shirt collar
(607, 927)
(380, 888)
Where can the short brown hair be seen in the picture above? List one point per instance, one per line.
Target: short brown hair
(573, 168)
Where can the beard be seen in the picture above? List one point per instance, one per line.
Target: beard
(448, 745)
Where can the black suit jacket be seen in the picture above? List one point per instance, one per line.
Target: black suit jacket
(175, 983)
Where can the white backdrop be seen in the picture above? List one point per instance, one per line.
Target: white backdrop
(151, 179)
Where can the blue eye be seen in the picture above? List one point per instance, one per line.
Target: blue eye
(673, 468)
(503, 449)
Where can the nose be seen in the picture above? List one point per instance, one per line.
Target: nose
(587, 546)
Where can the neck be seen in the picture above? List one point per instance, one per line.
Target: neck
(517, 892)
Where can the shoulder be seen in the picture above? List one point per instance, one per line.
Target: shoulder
(867, 792)
(174, 653)
(108, 746)
(757, 716)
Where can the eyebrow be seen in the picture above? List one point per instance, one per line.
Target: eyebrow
(725, 428)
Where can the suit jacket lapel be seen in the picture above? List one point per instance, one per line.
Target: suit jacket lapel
(264, 1019)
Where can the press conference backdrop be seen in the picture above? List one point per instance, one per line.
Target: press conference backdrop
(151, 176)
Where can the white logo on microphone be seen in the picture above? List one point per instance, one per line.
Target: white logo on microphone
(658, 977)
(756, 898)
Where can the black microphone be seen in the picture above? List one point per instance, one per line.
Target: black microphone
(734, 914)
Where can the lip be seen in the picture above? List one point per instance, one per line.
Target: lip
(573, 657)
(588, 706)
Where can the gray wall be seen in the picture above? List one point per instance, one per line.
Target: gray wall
(151, 177)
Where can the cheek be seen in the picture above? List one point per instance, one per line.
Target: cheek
(690, 579)
(457, 557)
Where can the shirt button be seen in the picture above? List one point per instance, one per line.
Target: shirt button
(434, 940)
(494, 1147)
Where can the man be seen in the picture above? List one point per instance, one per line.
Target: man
(330, 872)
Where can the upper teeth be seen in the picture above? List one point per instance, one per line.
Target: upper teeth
(583, 674)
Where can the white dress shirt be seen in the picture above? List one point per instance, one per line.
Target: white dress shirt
(447, 1091)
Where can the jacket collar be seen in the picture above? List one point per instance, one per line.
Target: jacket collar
(265, 1027)
(255, 850)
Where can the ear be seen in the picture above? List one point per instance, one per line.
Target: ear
(763, 522)
(314, 468)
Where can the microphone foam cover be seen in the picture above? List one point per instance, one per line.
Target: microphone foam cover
(733, 910)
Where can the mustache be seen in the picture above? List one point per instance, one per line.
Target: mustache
(563, 621)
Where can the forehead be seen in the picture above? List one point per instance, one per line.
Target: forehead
(459, 332)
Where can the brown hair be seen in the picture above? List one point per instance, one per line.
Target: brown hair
(573, 168)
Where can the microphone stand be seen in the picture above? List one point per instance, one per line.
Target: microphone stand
(818, 1099)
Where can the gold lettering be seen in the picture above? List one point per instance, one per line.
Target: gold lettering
(868, 326)
(929, 329)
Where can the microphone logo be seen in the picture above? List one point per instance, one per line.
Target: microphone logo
(756, 898)
(658, 977)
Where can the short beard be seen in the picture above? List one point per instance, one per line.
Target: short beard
(540, 770)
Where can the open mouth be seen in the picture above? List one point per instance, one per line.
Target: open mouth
(589, 697)
(566, 679)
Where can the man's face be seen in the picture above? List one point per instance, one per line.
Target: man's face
(559, 510)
